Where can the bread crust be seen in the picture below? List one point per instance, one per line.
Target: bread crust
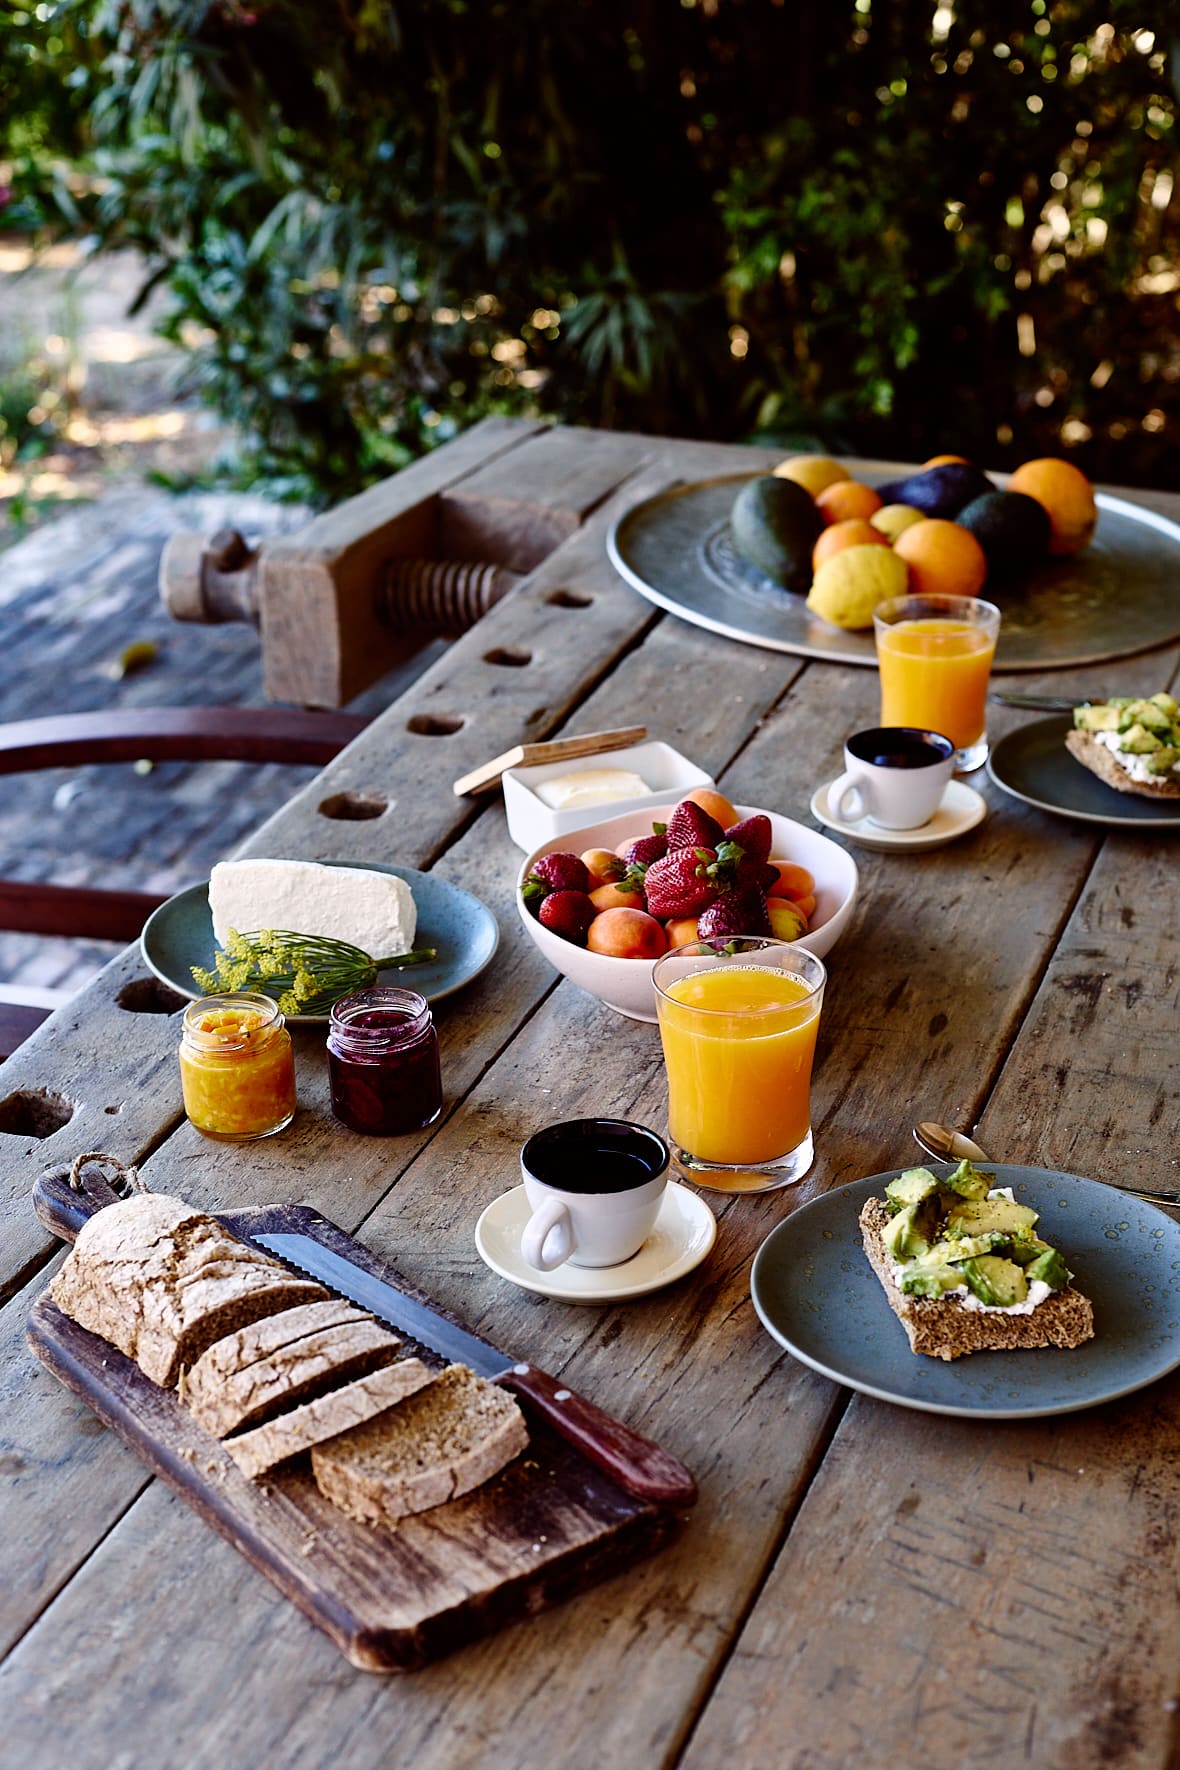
(1084, 747)
(226, 1400)
(263, 1447)
(940, 1327)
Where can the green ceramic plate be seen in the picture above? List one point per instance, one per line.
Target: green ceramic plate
(817, 1295)
(180, 934)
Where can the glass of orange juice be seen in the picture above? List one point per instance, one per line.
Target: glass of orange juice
(738, 1019)
(935, 656)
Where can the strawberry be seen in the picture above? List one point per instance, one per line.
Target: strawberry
(568, 913)
(735, 912)
(645, 849)
(691, 827)
(680, 884)
(752, 834)
(555, 872)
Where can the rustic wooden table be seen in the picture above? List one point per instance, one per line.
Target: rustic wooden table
(858, 1584)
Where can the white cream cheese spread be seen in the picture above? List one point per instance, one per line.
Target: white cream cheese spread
(374, 911)
(1136, 766)
(590, 786)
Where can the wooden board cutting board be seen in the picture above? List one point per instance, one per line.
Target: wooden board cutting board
(547, 1526)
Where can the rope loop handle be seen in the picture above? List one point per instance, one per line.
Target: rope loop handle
(125, 1179)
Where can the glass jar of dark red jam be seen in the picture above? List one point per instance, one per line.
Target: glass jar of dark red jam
(383, 1066)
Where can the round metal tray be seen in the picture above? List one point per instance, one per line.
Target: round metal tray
(1119, 597)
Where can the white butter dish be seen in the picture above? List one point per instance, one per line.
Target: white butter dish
(663, 772)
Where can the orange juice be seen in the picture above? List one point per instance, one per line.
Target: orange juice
(934, 675)
(738, 1045)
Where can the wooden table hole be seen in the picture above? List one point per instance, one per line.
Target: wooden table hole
(147, 995)
(355, 808)
(435, 725)
(35, 1112)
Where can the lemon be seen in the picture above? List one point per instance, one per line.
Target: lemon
(848, 586)
(813, 472)
(891, 519)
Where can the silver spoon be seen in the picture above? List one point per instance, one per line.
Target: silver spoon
(946, 1145)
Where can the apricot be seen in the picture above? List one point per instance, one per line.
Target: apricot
(626, 934)
(806, 904)
(611, 897)
(793, 881)
(602, 866)
(716, 804)
(787, 921)
(681, 930)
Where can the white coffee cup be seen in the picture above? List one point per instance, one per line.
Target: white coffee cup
(895, 775)
(595, 1187)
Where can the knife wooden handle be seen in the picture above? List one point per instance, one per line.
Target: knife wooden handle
(62, 1208)
(627, 1457)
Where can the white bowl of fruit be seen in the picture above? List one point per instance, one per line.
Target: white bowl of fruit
(605, 901)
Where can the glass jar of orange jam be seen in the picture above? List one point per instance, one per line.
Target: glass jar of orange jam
(237, 1068)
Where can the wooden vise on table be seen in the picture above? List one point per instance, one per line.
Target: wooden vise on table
(425, 553)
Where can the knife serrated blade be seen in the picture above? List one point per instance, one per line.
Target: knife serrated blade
(635, 1462)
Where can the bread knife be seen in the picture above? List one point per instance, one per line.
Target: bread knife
(637, 1464)
(1040, 703)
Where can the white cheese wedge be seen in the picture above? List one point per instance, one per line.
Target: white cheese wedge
(374, 911)
(590, 786)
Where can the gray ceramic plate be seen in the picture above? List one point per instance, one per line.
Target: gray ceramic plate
(817, 1295)
(1119, 597)
(1033, 764)
(180, 934)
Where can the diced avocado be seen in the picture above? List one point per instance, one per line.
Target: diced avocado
(912, 1187)
(930, 1281)
(1144, 713)
(1160, 761)
(966, 1247)
(968, 1182)
(989, 1216)
(1025, 1249)
(1050, 1268)
(1167, 704)
(1100, 718)
(995, 1280)
(1138, 741)
(905, 1236)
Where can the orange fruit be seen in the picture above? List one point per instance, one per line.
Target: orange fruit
(854, 533)
(1068, 497)
(716, 804)
(945, 461)
(812, 472)
(943, 559)
(846, 500)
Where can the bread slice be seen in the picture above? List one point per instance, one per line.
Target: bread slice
(444, 1441)
(1086, 749)
(941, 1328)
(264, 1447)
(224, 1401)
(162, 1282)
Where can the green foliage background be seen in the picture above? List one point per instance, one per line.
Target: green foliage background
(889, 228)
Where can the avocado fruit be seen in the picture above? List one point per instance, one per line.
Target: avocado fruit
(968, 1181)
(912, 1187)
(1012, 528)
(775, 525)
(905, 1235)
(995, 1280)
(939, 491)
(989, 1216)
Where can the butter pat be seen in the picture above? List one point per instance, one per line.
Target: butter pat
(374, 911)
(590, 786)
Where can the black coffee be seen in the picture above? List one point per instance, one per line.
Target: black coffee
(595, 1155)
(900, 746)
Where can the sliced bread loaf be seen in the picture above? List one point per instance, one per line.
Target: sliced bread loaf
(941, 1328)
(224, 1402)
(263, 1447)
(442, 1442)
(162, 1282)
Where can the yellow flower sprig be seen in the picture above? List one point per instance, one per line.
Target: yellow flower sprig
(305, 973)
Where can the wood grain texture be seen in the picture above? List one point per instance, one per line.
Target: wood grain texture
(821, 1608)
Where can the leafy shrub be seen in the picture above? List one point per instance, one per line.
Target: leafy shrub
(887, 228)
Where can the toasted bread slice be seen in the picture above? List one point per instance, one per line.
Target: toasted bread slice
(941, 1328)
(1086, 749)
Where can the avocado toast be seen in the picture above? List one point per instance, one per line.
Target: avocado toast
(1132, 744)
(965, 1271)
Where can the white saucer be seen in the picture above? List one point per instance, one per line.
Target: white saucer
(961, 809)
(684, 1232)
